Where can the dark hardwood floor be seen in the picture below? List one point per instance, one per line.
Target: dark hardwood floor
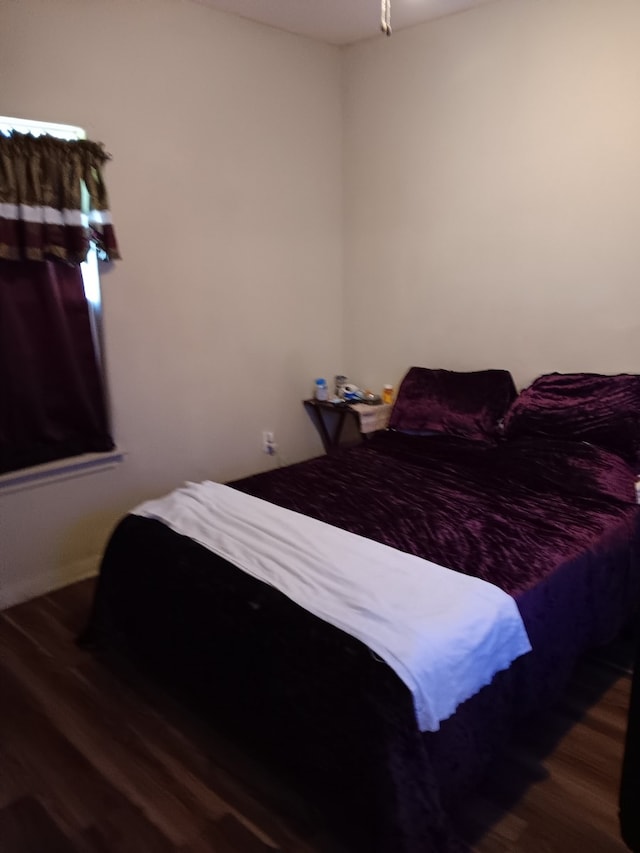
(94, 762)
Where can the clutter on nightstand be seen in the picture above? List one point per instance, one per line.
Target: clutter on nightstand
(322, 391)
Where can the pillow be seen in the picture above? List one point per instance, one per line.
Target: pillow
(603, 410)
(469, 405)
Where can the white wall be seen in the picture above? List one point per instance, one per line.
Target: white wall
(491, 210)
(492, 186)
(225, 188)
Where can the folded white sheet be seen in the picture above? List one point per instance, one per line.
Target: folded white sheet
(444, 633)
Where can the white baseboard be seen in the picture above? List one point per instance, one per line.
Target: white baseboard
(31, 587)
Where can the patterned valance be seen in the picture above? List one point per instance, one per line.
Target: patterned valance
(53, 201)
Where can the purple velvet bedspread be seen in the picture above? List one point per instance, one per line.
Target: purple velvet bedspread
(555, 524)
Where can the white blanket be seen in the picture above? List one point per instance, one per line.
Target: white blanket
(444, 633)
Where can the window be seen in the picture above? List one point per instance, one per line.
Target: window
(53, 402)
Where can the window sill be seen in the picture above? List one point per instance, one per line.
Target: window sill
(61, 469)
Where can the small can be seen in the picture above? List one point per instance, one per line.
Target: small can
(340, 382)
(387, 394)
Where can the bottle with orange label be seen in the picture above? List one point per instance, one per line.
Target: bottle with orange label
(387, 394)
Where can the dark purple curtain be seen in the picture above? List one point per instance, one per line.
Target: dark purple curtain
(52, 402)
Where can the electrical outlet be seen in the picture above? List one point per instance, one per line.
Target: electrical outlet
(269, 442)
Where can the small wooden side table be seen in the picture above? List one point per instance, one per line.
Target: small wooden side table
(330, 418)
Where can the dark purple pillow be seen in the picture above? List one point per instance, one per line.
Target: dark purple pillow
(466, 404)
(603, 410)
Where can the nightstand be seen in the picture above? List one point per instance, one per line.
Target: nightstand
(330, 419)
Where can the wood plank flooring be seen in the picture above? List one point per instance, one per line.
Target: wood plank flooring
(94, 762)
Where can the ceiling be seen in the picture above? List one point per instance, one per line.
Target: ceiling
(339, 21)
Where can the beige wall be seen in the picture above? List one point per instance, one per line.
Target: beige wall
(491, 208)
(492, 186)
(226, 193)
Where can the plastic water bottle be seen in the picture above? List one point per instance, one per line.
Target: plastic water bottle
(322, 391)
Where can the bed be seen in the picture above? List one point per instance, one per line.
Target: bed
(533, 493)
